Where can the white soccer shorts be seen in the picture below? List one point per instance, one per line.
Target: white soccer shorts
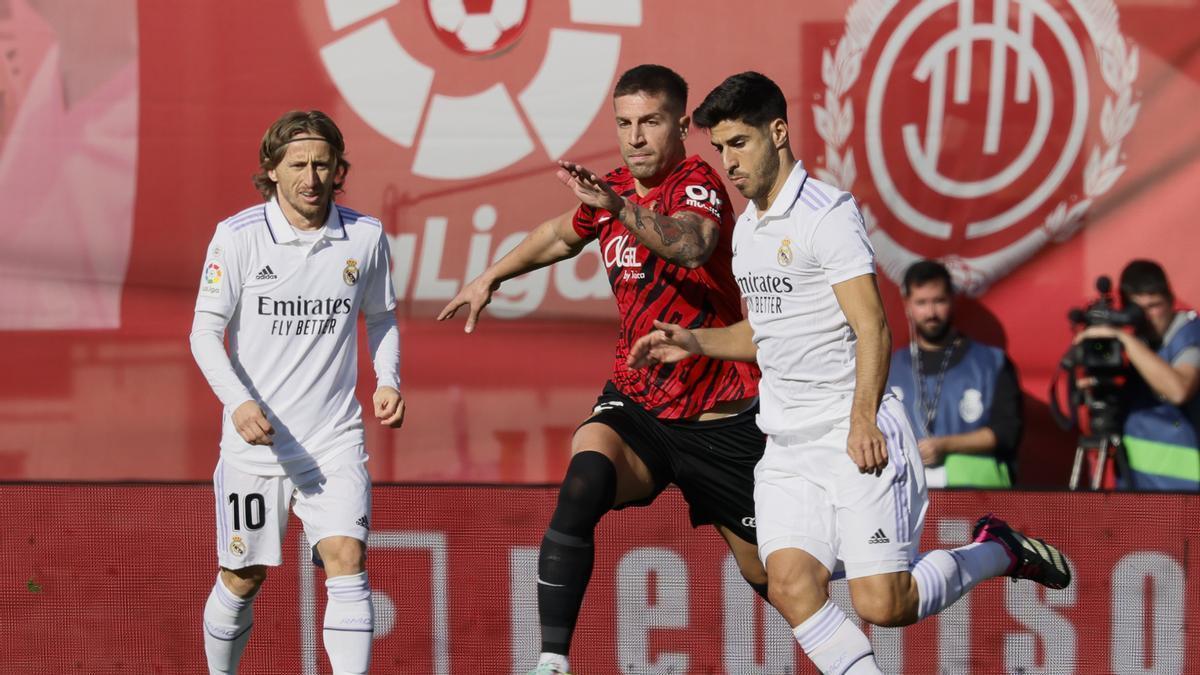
(252, 510)
(809, 494)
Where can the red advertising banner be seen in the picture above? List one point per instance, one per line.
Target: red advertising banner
(1031, 145)
(112, 579)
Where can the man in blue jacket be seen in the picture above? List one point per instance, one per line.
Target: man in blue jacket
(961, 396)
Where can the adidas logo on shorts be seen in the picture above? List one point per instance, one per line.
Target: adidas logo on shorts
(265, 274)
(363, 522)
(879, 538)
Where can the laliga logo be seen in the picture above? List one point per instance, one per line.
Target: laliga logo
(1018, 144)
(484, 132)
(477, 33)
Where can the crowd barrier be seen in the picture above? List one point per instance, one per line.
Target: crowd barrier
(111, 578)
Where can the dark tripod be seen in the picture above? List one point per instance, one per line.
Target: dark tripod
(1105, 446)
(1103, 403)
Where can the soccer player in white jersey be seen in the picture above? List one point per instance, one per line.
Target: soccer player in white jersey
(288, 278)
(840, 486)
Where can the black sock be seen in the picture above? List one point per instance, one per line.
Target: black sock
(567, 554)
(568, 566)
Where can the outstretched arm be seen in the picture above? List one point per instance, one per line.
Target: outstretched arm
(685, 238)
(550, 242)
(670, 343)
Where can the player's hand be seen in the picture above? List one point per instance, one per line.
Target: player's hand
(475, 295)
(668, 343)
(389, 407)
(252, 424)
(589, 188)
(933, 450)
(866, 446)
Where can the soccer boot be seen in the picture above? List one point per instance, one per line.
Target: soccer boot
(1032, 559)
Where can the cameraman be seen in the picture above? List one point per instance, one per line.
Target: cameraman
(961, 395)
(1160, 432)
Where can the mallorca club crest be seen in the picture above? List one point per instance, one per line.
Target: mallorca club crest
(975, 132)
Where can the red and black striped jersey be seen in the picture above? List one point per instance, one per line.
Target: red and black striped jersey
(649, 288)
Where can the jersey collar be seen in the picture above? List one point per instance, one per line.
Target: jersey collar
(282, 232)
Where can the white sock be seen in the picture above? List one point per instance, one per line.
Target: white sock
(835, 645)
(227, 622)
(349, 623)
(945, 576)
(559, 661)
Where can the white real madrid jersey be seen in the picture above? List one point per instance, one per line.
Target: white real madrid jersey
(292, 304)
(786, 262)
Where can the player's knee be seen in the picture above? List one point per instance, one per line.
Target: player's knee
(587, 493)
(342, 555)
(883, 608)
(789, 590)
(245, 581)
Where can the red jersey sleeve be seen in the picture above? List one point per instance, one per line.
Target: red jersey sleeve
(697, 190)
(584, 221)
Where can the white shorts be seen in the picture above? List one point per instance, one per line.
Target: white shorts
(808, 494)
(252, 510)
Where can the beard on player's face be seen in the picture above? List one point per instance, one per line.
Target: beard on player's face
(934, 329)
(651, 133)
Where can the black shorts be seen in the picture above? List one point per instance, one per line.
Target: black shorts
(712, 462)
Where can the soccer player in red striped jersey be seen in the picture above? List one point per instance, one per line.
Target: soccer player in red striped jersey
(663, 223)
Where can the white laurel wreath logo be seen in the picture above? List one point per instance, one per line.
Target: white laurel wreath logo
(834, 121)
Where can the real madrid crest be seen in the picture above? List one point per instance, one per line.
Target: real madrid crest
(784, 256)
(237, 546)
(350, 274)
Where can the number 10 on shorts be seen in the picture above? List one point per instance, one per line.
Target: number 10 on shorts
(253, 509)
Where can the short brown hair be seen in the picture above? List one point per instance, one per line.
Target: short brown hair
(652, 79)
(283, 131)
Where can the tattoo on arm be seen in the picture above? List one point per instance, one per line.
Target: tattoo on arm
(683, 236)
(668, 230)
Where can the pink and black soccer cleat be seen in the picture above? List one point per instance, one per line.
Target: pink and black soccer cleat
(1032, 559)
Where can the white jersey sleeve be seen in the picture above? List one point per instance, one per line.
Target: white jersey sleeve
(208, 348)
(839, 243)
(379, 309)
(379, 295)
(223, 275)
(216, 302)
